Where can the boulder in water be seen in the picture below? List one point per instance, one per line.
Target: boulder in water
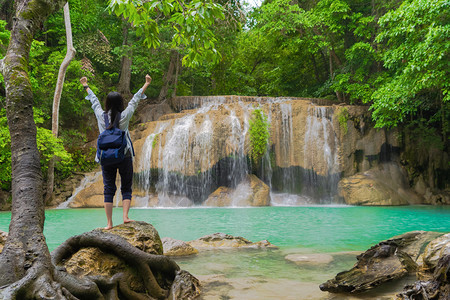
(174, 247)
(126, 259)
(226, 241)
(386, 261)
(250, 192)
(433, 272)
(184, 287)
(92, 261)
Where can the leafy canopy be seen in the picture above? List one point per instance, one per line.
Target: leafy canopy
(192, 22)
(416, 40)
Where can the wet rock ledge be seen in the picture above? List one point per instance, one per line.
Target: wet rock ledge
(425, 254)
(213, 241)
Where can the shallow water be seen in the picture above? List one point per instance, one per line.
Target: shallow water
(254, 274)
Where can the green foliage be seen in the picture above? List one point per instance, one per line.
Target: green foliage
(259, 134)
(5, 153)
(48, 147)
(191, 21)
(416, 40)
(155, 140)
(343, 119)
(82, 161)
(44, 68)
(4, 37)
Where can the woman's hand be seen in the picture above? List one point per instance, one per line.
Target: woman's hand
(148, 80)
(83, 81)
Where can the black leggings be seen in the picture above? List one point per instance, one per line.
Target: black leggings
(126, 178)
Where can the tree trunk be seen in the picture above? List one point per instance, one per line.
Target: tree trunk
(25, 258)
(125, 69)
(177, 73)
(169, 77)
(57, 97)
(316, 71)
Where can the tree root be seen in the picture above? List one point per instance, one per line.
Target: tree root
(98, 287)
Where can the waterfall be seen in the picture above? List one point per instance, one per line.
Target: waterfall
(306, 169)
(186, 171)
(181, 149)
(321, 153)
(193, 161)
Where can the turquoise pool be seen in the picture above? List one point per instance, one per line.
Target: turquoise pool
(313, 229)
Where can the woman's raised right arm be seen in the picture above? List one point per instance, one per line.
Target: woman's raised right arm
(96, 106)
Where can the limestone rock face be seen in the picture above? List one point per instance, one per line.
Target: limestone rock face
(386, 261)
(250, 192)
(3, 236)
(226, 241)
(435, 250)
(92, 193)
(384, 185)
(92, 261)
(174, 247)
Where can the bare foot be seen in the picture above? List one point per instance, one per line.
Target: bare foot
(108, 227)
(127, 220)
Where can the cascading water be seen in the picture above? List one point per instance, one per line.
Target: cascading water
(206, 148)
(186, 172)
(321, 153)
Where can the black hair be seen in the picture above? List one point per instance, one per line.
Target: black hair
(114, 103)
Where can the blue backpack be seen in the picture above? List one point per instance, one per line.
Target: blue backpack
(111, 143)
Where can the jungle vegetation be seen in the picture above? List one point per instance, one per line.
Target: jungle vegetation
(390, 55)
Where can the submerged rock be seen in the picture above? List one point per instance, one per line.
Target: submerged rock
(3, 236)
(174, 247)
(386, 261)
(226, 241)
(309, 259)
